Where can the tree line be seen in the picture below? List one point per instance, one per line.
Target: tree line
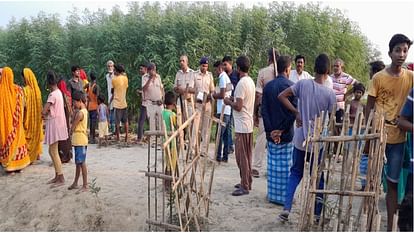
(161, 32)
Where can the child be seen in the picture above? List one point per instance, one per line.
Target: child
(103, 119)
(170, 120)
(359, 91)
(80, 139)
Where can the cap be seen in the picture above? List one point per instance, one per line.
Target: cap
(203, 60)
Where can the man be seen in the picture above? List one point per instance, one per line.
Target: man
(76, 83)
(387, 94)
(313, 98)
(143, 108)
(243, 106)
(204, 87)
(225, 88)
(119, 90)
(233, 75)
(153, 90)
(299, 73)
(278, 123)
(92, 106)
(341, 82)
(108, 77)
(184, 78)
(265, 75)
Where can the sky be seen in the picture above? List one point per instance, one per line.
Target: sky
(378, 20)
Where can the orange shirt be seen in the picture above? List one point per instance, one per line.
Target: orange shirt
(92, 97)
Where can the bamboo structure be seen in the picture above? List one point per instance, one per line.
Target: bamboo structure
(344, 214)
(185, 191)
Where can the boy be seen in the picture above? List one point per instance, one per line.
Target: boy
(387, 94)
(170, 120)
(358, 91)
(103, 118)
(80, 139)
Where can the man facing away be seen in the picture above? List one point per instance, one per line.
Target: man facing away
(387, 94)
(278, 123)
(243, 106)
(119, 90)
(313, 98)
(265, 75)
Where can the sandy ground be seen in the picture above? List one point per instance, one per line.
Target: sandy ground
(28, 204)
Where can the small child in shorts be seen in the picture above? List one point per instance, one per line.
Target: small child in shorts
(80, 139)
(103, 119)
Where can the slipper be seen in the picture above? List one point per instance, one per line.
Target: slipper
(284, 216)
(237, 186)
(240, 192)
(55, 185)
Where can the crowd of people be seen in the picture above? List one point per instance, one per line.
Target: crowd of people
(282, 104)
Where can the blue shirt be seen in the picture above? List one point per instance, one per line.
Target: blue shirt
(234, 79)
(275, 115)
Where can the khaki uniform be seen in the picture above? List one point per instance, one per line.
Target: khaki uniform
(181, 81)
(264, 76)
(151, 97)
(204, 84)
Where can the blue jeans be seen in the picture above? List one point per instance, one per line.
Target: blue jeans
(296, 174)
(225, 131)
(395, 159)
(230, 132)
(112, 120)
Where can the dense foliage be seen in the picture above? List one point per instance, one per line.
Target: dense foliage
(162, 32)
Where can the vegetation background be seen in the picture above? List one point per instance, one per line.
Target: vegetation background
(161, 32)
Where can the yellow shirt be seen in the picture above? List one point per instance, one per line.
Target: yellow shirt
(390, 94)
(120, 86)
(79, 135)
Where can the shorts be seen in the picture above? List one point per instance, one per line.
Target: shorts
(80, 154)
(103, 129)
(121, 115)
(395, 159)
(93, 117)
(339, 116)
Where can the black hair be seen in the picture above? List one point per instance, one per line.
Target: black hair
(92, 75)
(217, 64)
(359, 87)
(170, 98)
(243, 63)
(377, 66)
(120, 68)
(51, 78)
(322, 64)
(270, 54)
(74, 68)
(299, 56)
(283, 62)
(101, 99)
(399, 39)
(79, 96)
(228, 59)
(143, 65)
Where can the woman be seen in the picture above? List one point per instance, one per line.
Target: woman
(32, 120)
(13, 146)
(65, 146)
(56, 128)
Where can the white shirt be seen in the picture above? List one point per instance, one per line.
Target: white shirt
(328, 83)
(243, 120)
(224, 82)
(295, 77)
(109, 85)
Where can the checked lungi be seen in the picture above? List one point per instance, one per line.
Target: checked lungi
(279, 161)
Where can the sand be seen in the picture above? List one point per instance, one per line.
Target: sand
(28, 204)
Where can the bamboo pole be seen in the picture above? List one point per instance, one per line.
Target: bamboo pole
(164, 225)
(344, 193)
(174, 135)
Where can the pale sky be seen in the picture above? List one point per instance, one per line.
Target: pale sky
(378, 21)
